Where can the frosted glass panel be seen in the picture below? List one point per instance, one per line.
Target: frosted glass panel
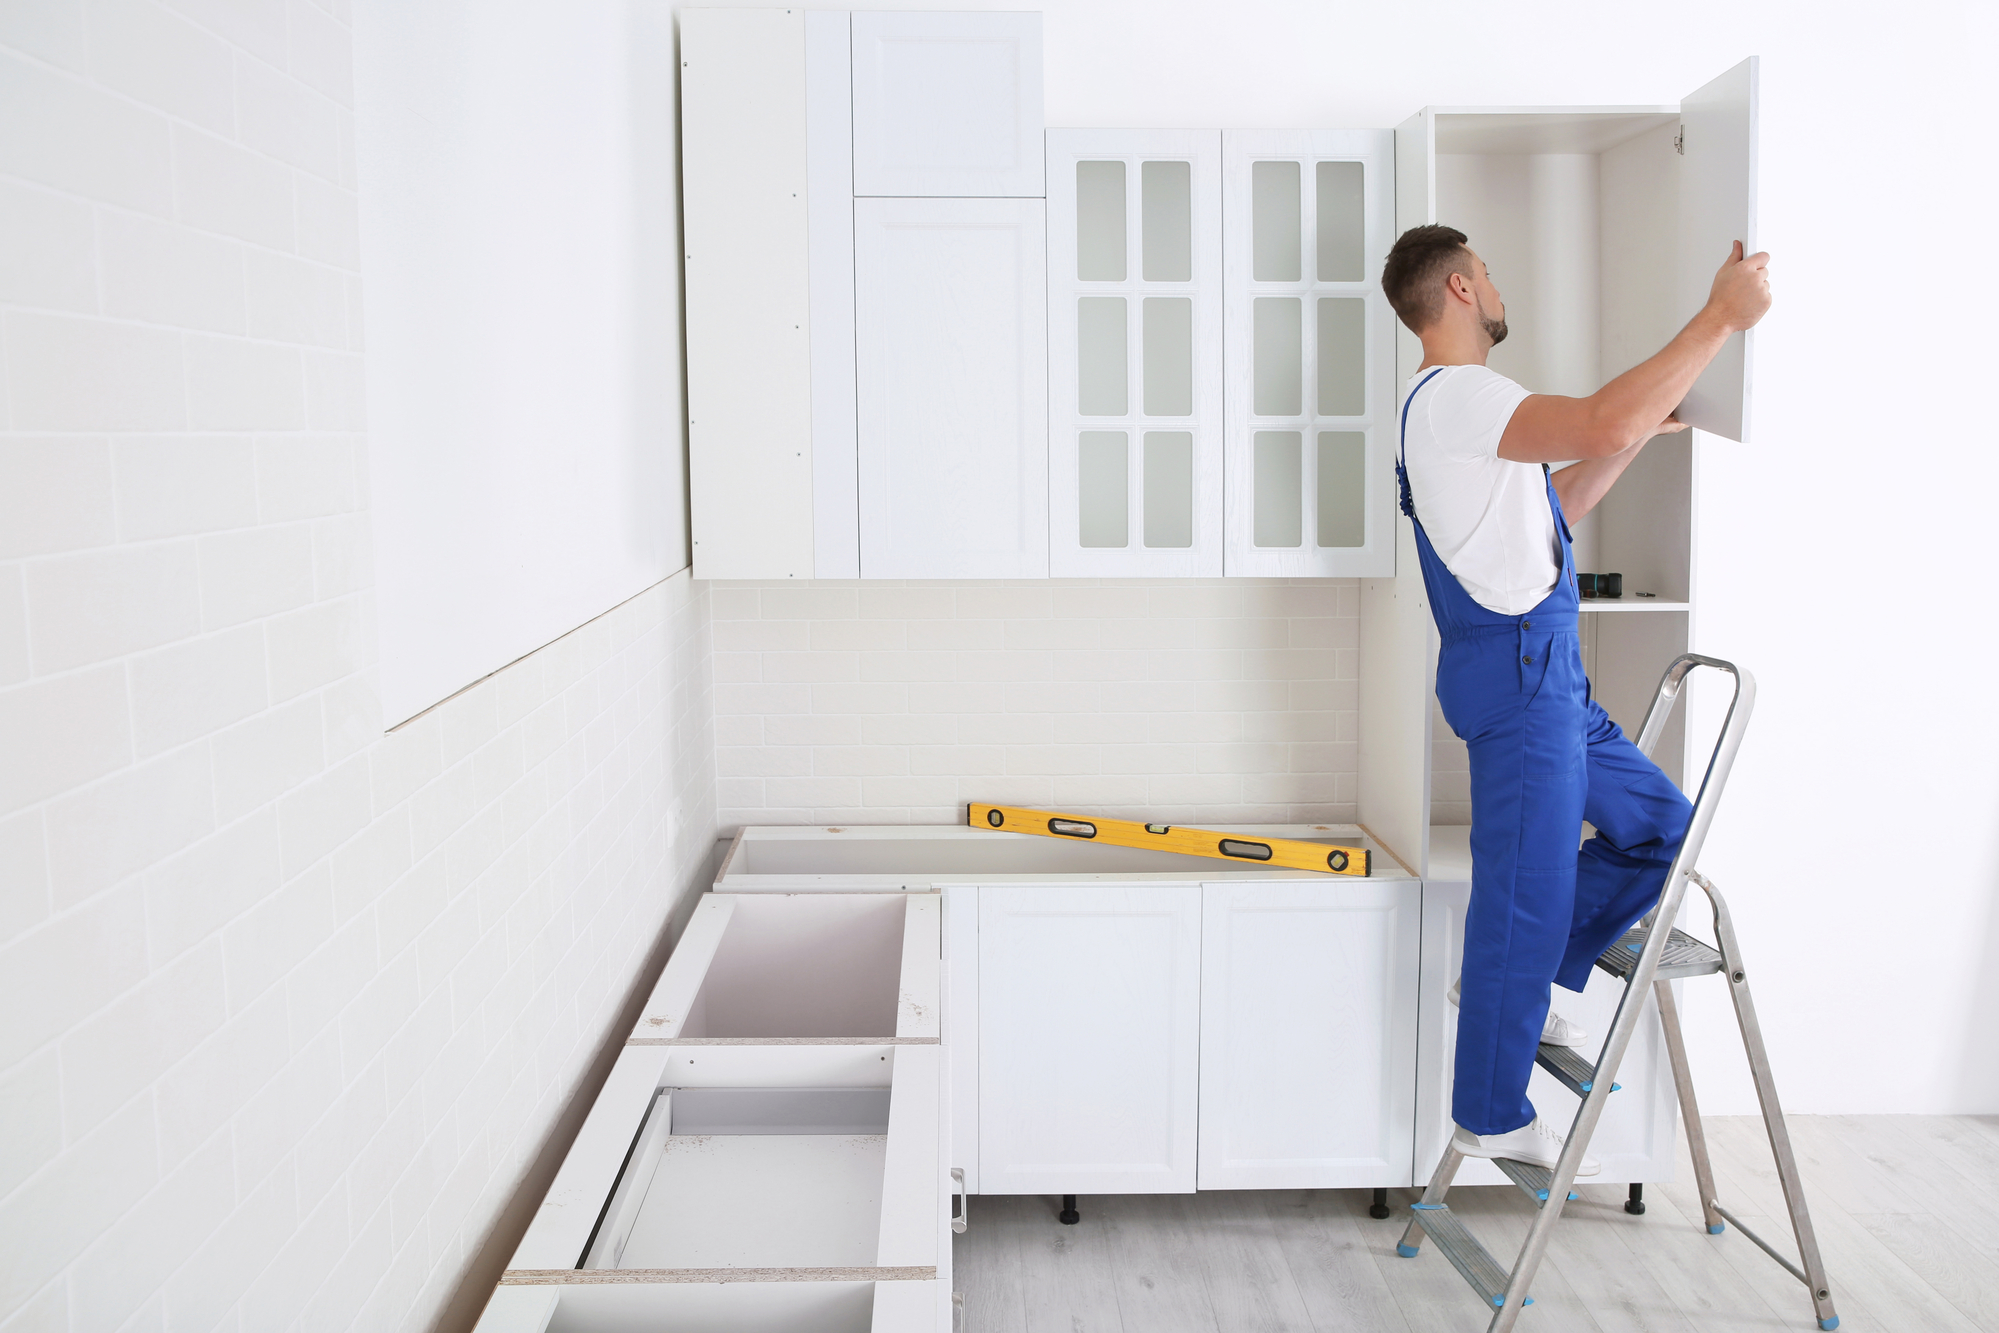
(1102, 489)
(1340, 222)
(1169, 488)
(1278, 482)
(1101, 365)
(1342, 356)
(1278, 356)
(1169, 356)
(1100, 221)
(1275, 209)
(1167, 218)
(1342, 472)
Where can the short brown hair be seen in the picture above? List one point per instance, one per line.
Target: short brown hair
(1420, 261)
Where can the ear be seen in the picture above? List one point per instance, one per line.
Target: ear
(1459, 286)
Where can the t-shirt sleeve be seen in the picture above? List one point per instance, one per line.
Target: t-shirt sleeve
(1471, 413)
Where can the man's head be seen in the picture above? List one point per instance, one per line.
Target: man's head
(1436, 283)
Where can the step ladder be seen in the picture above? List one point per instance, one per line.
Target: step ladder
(1647, 958)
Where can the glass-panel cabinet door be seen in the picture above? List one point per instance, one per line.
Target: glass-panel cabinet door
(1309, 398)
(1135, 353)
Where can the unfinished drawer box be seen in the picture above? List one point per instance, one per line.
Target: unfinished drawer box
(766, 1153)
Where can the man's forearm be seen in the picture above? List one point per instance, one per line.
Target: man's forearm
(1580, 486)
(1647, 393)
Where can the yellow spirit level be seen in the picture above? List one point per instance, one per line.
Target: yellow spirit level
(1289, 853)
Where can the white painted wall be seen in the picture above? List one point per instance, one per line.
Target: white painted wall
(289, 1004)
(517, 166)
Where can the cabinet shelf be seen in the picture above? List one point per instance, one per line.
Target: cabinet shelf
(1633, 604)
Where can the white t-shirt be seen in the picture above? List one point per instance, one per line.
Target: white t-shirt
(1487, 516)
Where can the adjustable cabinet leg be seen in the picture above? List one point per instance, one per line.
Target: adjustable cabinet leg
(1068, 1217)
(1379, 1208)
(1635, 1205)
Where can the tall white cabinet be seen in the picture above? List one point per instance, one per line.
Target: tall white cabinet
(865, 293)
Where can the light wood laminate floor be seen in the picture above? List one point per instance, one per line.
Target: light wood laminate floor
(1907, 1210)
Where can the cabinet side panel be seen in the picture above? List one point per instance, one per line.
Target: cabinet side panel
(1718, 208)
(749, 369)
(953, 388)
(1397, 671)
(829, 165)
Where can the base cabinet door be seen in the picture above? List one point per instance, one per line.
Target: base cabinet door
(1308, 1034)
(1089, 999)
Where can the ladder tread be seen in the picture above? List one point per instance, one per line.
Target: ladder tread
(1472, 1260)
(1534, 1180)
(1685, 956)
(1569, 1065)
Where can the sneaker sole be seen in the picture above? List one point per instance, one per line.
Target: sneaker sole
(1487, 1155)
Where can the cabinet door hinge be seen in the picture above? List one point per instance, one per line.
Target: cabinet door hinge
(1680, 141)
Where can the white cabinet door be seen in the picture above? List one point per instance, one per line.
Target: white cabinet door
(947, 104)
(1089, 1003)
(951, 300)
(1135, 353)
(1308, 217)
(1718, 208)
(1308, 1034)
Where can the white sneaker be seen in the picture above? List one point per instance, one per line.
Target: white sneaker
(1533, 1143)
(1556, 1031)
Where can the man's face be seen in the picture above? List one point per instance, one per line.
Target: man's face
(1491, 310)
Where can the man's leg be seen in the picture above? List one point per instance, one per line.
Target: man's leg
(1527, 793)
(1640, 818)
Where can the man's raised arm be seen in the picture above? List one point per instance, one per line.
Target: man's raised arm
(1547, 428)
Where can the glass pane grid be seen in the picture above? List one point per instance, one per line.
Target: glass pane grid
(1310, 417)
(1137, 402)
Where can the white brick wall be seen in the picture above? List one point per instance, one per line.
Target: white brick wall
(1215, 699)
(289, 1004)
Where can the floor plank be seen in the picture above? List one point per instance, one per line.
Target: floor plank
(1906, 1210)
(1331, 1246)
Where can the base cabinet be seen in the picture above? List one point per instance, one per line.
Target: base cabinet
(1171, 1037)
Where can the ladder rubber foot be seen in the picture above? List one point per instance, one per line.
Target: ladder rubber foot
(1717, 1228)
(1829, 1324)
(1406, 1251)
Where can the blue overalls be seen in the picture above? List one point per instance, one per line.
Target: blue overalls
(1544, 757)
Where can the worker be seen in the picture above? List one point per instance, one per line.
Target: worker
(1492, 532)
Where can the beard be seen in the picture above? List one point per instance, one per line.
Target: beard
(1495, 329)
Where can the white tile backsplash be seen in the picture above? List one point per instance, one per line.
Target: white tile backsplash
(880, 703)
(291, 1002)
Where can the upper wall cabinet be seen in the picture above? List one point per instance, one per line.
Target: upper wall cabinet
(1308, 216)
(1135, 353)
(947, 104)
(909, 398)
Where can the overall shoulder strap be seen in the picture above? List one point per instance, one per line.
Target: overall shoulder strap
(1402, 447)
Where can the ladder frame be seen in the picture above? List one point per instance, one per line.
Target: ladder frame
(1642, 977)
